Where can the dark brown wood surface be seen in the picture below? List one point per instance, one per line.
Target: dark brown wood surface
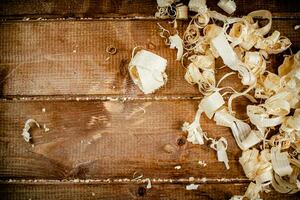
(96, 139)
(34, 9)
(67, 191)
(102, 129)
(70, 58)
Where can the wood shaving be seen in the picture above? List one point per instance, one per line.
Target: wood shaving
(197, 5)
(147, 71)
(176, 42)
(177, 167)
(182, 11)
(137, 175)
(221, 146)
(228, 6)
(202, 163)
(26, 135)
(149, 185)
(165, 9)
(191, 179)
(244, 46)
(192, 187)
(46, 129)
(164, 3)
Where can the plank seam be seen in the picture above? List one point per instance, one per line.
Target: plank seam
(125, 18)
(100, 98)
(126, 180)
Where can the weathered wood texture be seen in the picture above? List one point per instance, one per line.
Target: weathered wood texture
(126, 191)
(105, 139)
(18, 9)
(92, 139)
(69, 58)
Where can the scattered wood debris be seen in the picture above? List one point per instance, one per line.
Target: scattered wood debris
(245, 47)
(46, 129)
(202, 163)
(192, 186)
(177, 167)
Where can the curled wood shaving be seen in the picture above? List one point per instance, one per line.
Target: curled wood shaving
(273, 44)
(220, 146)
(280, 162)
(173, 40)
(194, 130)
(201, 71)
(176, 42)
(164, 3)
(147, 70)
(149, 185)
(223, 48)
(285, 186)
(182, 11)
(262, 14)
(137, 175)
(244, 136)
(197, 6)
(210, 104)
(253, 190)
(228, 6)
(25, 133)
(257, 166)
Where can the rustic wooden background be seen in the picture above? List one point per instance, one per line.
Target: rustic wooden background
(103, 130)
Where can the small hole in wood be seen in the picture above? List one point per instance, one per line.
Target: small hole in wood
(141, 191)
(181, 141)
(111, 50)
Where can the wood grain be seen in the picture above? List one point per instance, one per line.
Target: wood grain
(18, 9)
(67, 191)
(105, 139)
(69, 57)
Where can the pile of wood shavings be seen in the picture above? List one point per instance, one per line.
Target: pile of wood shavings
(244, 47)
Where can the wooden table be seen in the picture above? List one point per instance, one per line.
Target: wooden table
(103, 130)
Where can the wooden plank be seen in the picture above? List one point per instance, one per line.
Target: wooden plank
(59, 56)
(18, 9)
(126, 191)
(69, 57)
(106, 139)
(76, 8)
